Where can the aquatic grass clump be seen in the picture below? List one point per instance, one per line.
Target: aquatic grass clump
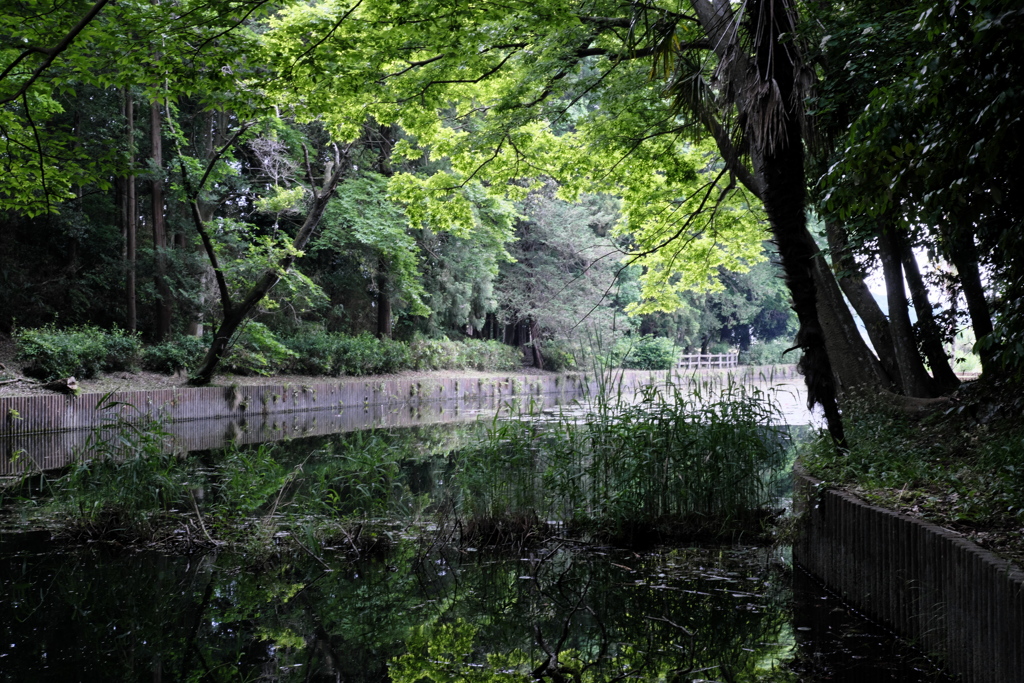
(357, 478)
(348, 492)
(130, 485)
(124, 482)
(675, 460)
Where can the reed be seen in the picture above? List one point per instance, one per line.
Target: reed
(671, 460)
(677, 458)
(125, 479)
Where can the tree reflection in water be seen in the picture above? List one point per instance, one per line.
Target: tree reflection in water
(556, 614)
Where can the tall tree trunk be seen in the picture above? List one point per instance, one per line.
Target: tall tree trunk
(851, 281)
(774, 124)
(130, 215)
(916, 381)
(928, 330)
(164, 299)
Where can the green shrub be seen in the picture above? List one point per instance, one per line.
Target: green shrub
(182, 352)
(769, 353)
(83, 352)
(122, 351)
(646, 353)
(432, 354)
(316, 353)
(256, 351)
(393, 356)
(493, 355)
(358, 355)
(559, 356)
(323, 353)
(478, 354)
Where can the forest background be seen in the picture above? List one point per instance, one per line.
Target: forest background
(546, 175)
(163, 160)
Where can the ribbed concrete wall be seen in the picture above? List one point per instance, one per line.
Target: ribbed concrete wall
(43, 451)
(48, 413)
(45, 432)
(31, 414)
(936, 588)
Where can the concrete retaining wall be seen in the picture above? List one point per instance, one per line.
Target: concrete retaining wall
(48, 413)
(45, 451)
(31, 414)
(46, 432)
(931, 585)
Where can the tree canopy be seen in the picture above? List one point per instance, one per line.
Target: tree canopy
(707, 123)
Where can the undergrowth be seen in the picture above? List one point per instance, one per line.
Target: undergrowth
(961, 465)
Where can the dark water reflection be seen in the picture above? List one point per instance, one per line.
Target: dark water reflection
(685, 614)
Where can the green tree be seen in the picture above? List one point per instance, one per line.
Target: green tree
(900, 166)
(559, 293)
(527, 65)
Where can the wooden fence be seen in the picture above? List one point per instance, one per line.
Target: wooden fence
(931, 585)
(708, 360)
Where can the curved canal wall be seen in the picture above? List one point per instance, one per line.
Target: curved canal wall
(931, 585)
(31, 414)
(43, 432)
(49, 413)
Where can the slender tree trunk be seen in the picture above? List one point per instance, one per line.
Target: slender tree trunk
(851, 281)
(928, 330)
(131, 210)
(164, 298)
(964, 255)
(538, 357)
(214, 134)
(236, 314)
(856, 369)
(383, 301)
(916, 381)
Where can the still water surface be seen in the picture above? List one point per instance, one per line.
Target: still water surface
(424, 606)
(681, 614)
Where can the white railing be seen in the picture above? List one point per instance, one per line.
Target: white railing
(708, 360)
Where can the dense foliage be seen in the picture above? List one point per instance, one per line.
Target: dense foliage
(175, 187)
(534, 173)
(79, 352)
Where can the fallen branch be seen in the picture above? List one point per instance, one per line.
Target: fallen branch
(18, 379)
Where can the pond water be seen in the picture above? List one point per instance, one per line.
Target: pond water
(446, 613)
(376, 556)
